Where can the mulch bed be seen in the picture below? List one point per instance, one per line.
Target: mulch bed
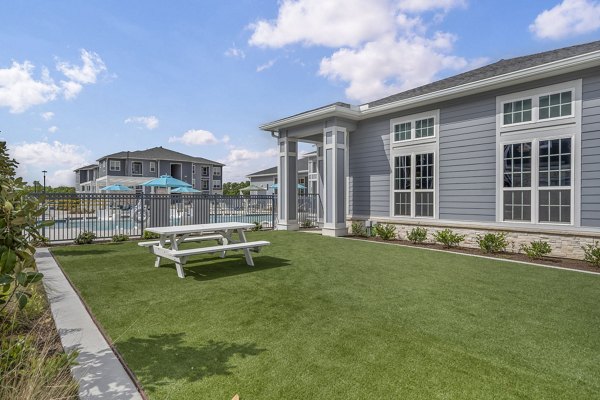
(551, 261)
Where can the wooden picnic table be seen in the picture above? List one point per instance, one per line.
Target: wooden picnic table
(171, 237)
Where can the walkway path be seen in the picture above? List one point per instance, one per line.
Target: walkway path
(99, 372)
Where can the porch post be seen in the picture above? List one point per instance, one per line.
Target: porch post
(320, 185)
(335, 142)
(287, 178)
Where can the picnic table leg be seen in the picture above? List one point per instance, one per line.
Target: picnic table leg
(226, 240)
(163, 240)
(180, 260)
(242, 237)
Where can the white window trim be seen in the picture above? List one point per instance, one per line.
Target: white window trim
(435, 114)
(202, 171)
(548, 129)
(534, 94)
(118, 165)
(141, 168)
(152, 166)
(216, 171)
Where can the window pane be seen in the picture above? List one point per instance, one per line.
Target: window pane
(555, 167)
(424, 204)
(555, 206)
(517, 111)
(424, 128)
(424, 171)
(402, 203)
(517, 165)
(555, 105)
(517, 205)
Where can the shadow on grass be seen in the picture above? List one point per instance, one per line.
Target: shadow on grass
(160, 359)
(82, 251)
(209, 268)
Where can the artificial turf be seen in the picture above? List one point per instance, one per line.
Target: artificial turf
(327, 318)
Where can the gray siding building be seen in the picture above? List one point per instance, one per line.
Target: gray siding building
(307, 176)
(132, 168)
(513, 146)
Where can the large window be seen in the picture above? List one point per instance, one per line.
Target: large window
(542, 182)
(152, 166)
(205, 171)
(414, 194)
(114, 165)
(204, 184)
(136, 168)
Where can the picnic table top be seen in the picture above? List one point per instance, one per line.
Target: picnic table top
(183, 229)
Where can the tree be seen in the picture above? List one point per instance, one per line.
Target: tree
(233, 188)
(19, 228)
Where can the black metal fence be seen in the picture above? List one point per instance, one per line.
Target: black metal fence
(109, 214)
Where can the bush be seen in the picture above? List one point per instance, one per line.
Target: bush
(592, 254)
(492, 242)
(257, 227)
(358, 229)
(19, 227)
(537, 249)
(448, 238)
(150, 235)
(307, 223)
(417, 235)
(120, 238)
(386, 232)
(86, 237)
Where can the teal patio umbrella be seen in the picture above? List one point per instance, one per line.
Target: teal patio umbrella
(166, 181)
(185, 189)
(116, 188)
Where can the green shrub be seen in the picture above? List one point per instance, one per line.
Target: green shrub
(257, 227)
(86, 237)
(358, 229)
(592, 254)
(120, 238)
(147, 235)
(386, 232)
(492, 242)
(537, 249)
(307, 223)
(448, 238)
(19, 228)
(417, 235)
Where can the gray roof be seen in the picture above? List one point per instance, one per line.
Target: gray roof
(160, 153)
(301, 166)
(91, 166)
(496, 69)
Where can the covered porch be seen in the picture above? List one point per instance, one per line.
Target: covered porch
(330, 135)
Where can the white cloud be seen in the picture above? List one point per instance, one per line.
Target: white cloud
(58, 158)
(20, 89)
(569, 18)
(53, 129)
(150, 121)
(48, 115)
(266, 65)
(240, 162)
(391, 65)
(195, 137)
(380, 47)
(428, 5)
(332, 23)
(235, 52)
(86, 73)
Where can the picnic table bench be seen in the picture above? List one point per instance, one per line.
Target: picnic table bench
(171, 237)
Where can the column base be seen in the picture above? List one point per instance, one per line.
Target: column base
(287, 226)
(335, 232)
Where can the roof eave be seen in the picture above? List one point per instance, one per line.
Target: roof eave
(559, 67)
(325, 112)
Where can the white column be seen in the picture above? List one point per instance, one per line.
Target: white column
(320, 185)
(335, 163)
(287, 178)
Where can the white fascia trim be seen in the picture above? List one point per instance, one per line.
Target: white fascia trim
(559, 67)
(331, 111)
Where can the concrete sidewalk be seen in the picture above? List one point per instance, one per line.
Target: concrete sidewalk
(99, 372)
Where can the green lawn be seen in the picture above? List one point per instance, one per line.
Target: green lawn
(326, 318)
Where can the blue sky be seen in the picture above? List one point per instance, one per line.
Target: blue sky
(81, 79)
